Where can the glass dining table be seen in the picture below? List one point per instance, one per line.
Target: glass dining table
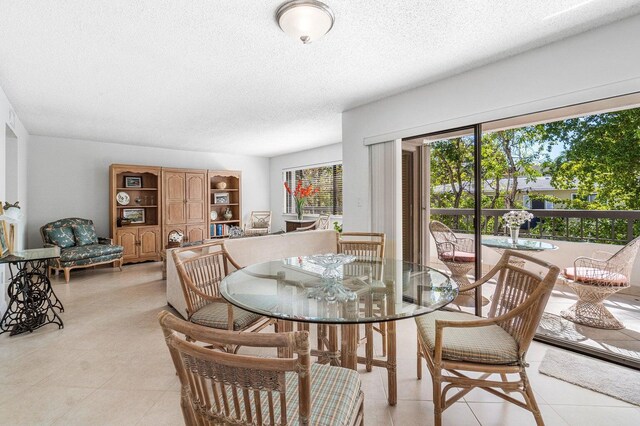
(298, 290)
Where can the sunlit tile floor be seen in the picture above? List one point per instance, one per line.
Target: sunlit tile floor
(110, 365)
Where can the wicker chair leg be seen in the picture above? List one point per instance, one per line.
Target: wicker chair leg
(419, 361)
(437, 397)
(368, 330)
(530, 399)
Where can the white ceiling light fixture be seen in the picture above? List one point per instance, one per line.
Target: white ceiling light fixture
(305, 20)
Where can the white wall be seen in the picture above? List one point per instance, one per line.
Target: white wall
(324, 154)
(598, 64)
(70, 177)
(14, 168)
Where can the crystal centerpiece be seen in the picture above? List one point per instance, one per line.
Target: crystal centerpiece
(331, 288)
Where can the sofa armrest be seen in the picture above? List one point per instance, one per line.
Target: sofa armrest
(105, 241)
(48, 245)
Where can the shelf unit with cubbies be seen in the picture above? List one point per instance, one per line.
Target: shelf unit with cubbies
(140, 237)
(225, 188)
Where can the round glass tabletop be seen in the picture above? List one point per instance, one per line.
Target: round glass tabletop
(522, 244)
(361, 291)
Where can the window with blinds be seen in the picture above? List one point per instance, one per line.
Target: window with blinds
(328, 179)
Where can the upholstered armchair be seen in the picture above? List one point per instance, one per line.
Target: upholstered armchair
(259, 223)
(79, 245)
(594, 280)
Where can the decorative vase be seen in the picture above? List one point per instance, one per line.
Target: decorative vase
(514, 231)
(227, 214)
(299, 210)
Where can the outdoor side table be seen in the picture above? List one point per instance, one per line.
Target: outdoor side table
(32, 302)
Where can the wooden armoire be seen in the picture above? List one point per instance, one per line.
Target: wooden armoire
(185, 203)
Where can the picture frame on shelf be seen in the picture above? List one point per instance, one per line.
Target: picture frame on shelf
(133, 181)
(221, 198)
(134, 215)
(4, 239)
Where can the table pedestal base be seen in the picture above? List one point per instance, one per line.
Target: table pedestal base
(32, 302)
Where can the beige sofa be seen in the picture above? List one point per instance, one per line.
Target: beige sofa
(246, 251)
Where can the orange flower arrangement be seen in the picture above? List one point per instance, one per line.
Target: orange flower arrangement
(300, 194)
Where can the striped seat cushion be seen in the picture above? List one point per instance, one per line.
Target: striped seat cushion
(484, 345)
(458, 256)
(335, 394)
(595, 276)
(215, 315)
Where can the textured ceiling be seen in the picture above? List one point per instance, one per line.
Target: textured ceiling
(219, 75)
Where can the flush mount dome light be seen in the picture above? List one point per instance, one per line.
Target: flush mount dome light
(305, 20)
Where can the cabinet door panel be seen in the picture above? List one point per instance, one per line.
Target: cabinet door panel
(174, 189)
(196, 233)
(127, 238)
(196, 198)
(149, 239)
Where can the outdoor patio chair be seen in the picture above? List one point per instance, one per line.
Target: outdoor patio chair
(455, 344)
(594, 280)
(225, 388)
(458, 254)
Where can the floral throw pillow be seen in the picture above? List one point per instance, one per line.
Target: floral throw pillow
(62, 237)
(85, 235)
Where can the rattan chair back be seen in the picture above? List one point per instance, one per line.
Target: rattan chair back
(521, 292)
(225, 388)
(367, 246)
(200, 275)
(323, 221)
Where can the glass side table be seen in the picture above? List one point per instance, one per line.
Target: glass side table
(32, 302)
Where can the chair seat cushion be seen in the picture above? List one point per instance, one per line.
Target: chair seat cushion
(594, 276)
(88, 252)
(215, 315)
(458, 256)
(335, 394)
(483, 345)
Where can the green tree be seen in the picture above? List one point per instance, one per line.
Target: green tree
(601, 155)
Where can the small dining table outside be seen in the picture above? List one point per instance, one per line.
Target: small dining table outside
(381, 291)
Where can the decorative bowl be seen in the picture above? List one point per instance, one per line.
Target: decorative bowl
(221, 185)
(331, 289)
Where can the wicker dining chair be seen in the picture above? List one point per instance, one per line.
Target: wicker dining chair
(200, 277)
(259, 223)
(321, 223)
(458, 254)
(458, 343)
(224, 388)
(369, 247)
(594, 280)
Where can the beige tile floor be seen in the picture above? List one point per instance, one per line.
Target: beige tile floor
(109, 365)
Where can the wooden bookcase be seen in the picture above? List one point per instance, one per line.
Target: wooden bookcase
(141, 237)
(221, 199)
